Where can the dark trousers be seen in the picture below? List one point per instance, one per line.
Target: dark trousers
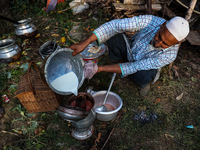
(118, 52)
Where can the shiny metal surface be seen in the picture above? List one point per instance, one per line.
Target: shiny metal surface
(113, 99)
(83, 134)
(72, 111)
(25, 27)
(61, 62)
(86, 122)
(45, 46)
(87, 55)
(83, 129)
(102, 107)
(8, 48)
(69, 117)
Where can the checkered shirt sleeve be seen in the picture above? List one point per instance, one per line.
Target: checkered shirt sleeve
(164, 58)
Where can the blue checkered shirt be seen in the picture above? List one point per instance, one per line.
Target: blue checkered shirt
(140, 53)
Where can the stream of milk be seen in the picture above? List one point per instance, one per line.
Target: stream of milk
(66, 83)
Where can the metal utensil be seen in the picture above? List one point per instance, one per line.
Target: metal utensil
(102, 108)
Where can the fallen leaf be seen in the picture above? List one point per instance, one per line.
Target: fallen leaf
(27, 49)
(157, 101)
(38, 35)
(175, 67)
(179, 97)
(142, 108)
(194, 79)
(55, 35)
(66, 30)
(24, 53)
(24, 66)
(169, 136)
(25, 42)
(98, 138)
(47, 27)
(38, 63)
(176, 73)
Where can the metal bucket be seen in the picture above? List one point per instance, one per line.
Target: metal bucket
(113, 104)
(48, 48)
(9, 50)
(61, 62)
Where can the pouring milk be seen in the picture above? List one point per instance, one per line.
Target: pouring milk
(66, 83)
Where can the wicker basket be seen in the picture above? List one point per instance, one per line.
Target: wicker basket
(34, 93)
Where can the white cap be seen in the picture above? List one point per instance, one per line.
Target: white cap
(178, 27)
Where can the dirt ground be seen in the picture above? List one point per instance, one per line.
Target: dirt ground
(174, 98)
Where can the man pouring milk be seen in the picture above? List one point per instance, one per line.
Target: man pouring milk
(154, 46)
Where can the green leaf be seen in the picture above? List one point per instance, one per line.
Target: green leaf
(22, 113)
(17, 131)
(34, 124)
(194, 79)
(30, 114)
(24, 66)
(27, 49)
(38, 63)
(9, 75)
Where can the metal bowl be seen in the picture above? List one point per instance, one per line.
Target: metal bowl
(61, 62)
(9, 49)
(113, 103)
(70, 114)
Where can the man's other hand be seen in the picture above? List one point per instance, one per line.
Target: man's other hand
(90, 69)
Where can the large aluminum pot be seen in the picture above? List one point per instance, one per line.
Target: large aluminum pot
(9, 50)
(26, 28)
(113, 104)
(61, 62)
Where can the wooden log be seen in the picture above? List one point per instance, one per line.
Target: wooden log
(140, 2)
(190, 10)
(134, 8)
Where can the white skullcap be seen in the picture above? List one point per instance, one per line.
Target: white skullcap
(178, 27)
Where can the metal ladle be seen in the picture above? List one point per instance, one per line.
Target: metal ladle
(102, 108)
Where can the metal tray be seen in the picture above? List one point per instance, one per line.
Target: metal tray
(87, 55)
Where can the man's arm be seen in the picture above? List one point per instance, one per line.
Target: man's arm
(110, 68)
(156, 62)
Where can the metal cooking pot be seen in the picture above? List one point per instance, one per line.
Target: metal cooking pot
(9, 50)
(113, 101)
(25, 28)
(61, 62)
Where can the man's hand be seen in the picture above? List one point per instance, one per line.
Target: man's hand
(90, 69)
(78, 48)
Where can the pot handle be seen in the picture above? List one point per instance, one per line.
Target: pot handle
(28, 75)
